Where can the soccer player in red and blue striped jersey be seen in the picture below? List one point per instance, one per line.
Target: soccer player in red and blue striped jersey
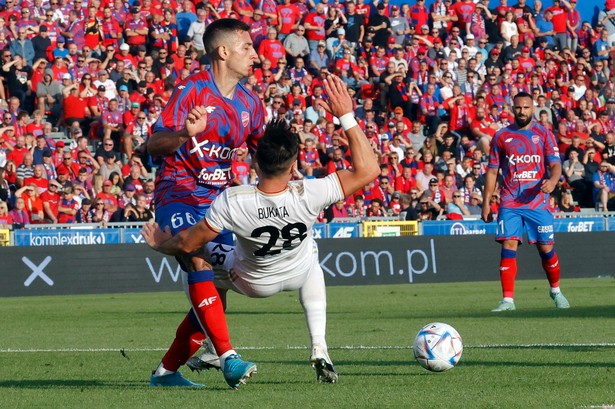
(208, 118)
(523, 151)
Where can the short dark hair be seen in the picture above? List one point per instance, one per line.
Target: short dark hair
(219, 28)
(277, 149)
(522, 94)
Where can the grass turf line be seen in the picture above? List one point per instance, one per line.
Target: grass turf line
(568, 367)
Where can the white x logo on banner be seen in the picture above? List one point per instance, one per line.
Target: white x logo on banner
(37, 271)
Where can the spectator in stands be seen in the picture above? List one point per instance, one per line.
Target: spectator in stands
(33, 203)
(574, 172)
(6, 220)
(139, 211)
(468, 189)
(68, 206)
(429, 210)
(566, 204)
(475, 205)
(336, 210)
(84, 215)
(19, 215)
(26, 169)
(106, 197)
(38, 178)
(604, 187)
(116, 184)
(49, 96)
(127, 197)
(99, 212)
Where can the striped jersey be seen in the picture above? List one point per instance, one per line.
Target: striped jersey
(201, 168)
(523, 156)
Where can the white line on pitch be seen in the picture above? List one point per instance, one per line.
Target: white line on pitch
(303, 347)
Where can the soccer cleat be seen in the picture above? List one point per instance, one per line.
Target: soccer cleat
(323, 366)
(237, 371)
(173, 379)
(207, 360)
(560, 300)
(505, 306)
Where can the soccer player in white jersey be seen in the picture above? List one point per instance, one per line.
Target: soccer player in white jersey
(275, 249)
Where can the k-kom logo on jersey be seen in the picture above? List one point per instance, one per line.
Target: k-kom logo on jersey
(245, 118)
(514, 159)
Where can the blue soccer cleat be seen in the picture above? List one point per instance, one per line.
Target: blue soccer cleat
(560, 300)
(173, 379)
(237, 371)
(504, 306)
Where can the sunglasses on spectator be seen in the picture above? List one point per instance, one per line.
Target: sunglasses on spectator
(140, 117)
(456, 195)
(108, 144)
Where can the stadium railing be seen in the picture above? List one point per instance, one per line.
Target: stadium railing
(128, 232)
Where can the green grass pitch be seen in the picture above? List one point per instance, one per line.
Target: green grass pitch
(65, 352)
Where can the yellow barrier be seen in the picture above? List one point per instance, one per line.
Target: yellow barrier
(387, 229)
(5, 237)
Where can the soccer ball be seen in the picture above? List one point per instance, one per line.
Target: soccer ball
(437, 347)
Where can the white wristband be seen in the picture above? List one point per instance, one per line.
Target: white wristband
(348, 121)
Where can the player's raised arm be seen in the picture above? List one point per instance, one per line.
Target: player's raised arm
(364, 164)
(167, 142)
(186, 242)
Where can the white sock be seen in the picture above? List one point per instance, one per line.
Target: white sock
(226, 355)
(313, 297)
(555, 290)
(161, 371)
(508, 299)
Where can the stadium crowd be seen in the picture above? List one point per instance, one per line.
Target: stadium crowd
(432, 86)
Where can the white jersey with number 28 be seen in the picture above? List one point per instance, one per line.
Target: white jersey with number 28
(274, 231)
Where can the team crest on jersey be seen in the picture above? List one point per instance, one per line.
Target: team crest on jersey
(245, 118)
(535, 139)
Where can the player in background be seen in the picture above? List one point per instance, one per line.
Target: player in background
(275, 249)
(207, 119)
(523, 151)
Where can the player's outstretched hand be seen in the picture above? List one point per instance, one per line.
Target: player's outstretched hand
(196, 121)
(154, 236)
(340, 102)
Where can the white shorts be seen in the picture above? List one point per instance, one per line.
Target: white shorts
(222, 257)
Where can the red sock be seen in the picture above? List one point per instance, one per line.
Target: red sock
(188, 340)
(208, 307)
(551, 267)
(508, 272)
